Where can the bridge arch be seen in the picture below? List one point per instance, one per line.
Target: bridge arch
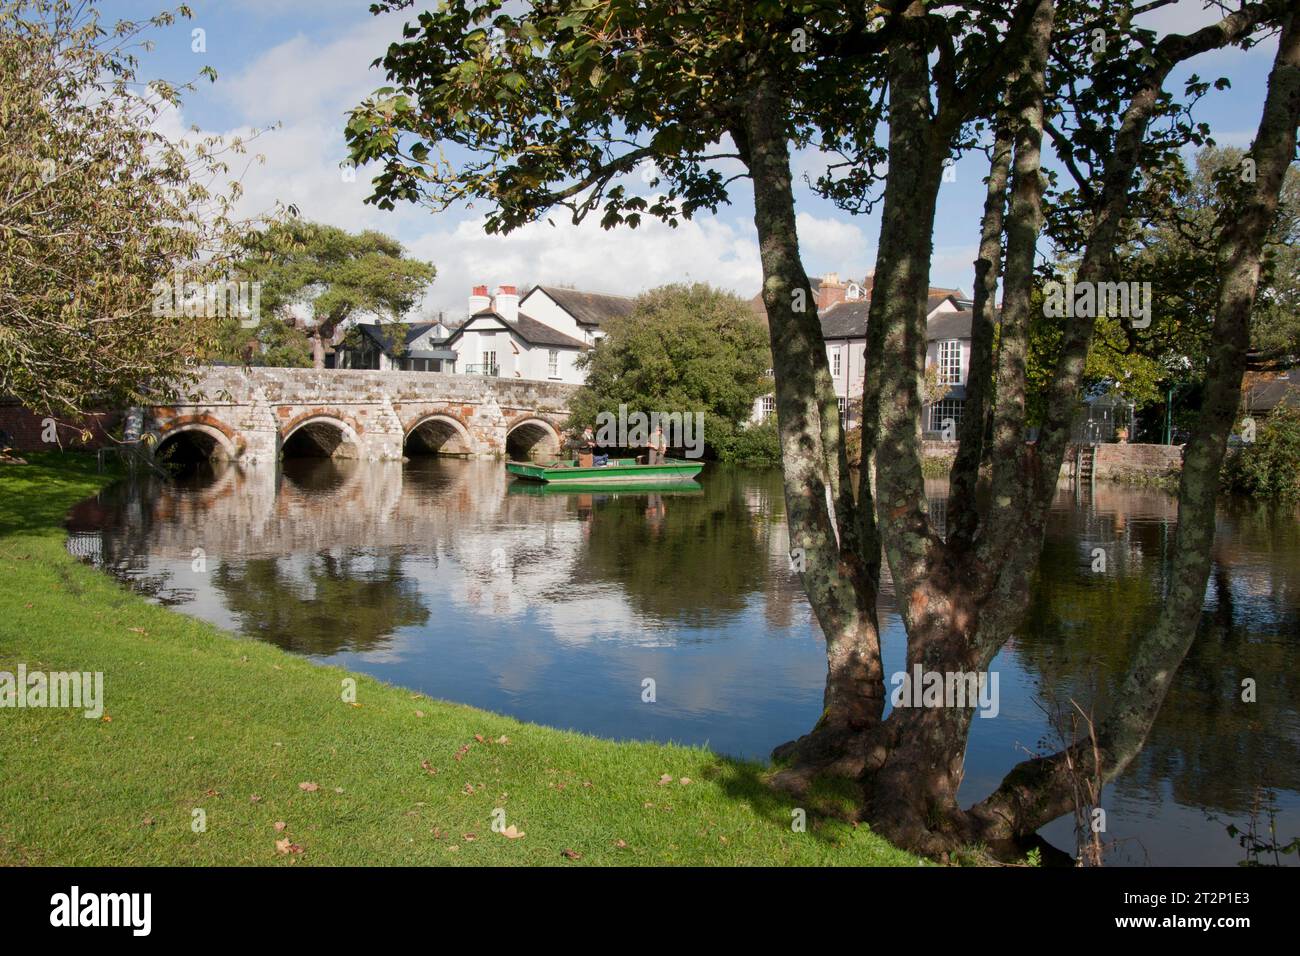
(195, 438)
(320, 435)
(532, 438)
(438, 433)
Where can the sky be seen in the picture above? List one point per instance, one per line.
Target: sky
(305, 63)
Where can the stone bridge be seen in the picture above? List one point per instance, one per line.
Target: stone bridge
(263, 414)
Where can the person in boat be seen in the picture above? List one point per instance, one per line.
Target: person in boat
(587, 444)
(658, 447)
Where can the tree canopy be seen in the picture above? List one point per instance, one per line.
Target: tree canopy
(315, 279)
(97, 208)
(552, 106)
(684, 348)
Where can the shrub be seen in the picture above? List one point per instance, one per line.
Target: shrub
(1269, 466)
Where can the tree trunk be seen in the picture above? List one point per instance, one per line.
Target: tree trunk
(1040, 790)
(820, 512)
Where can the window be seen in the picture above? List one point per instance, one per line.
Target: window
(768, 408)
(950, 362)
(949, 408)
(843, 403)
(835, 362)
(553, 363)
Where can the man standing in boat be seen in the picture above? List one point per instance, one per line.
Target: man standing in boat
(658, 446)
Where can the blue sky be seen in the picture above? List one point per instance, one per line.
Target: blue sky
(304, 63)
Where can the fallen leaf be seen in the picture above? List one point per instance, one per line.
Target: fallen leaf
(666, 778)
(309, 787)
(460, 754)
(106, 719)
(211, 793)
(138, 630)
(621, 844)
(419, 713)
(286, 846)
(338, 789)
(685, 781)
(428, 768)
(148, 821)
(254, 799)
(571, 854)
(469, 837)
(280, 826)
(479, 738)
(503, 739)
(512, 833)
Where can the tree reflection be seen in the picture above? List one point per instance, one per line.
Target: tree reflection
(322, 603)
(689, 559)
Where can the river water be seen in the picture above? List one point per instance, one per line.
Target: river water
(572, 610)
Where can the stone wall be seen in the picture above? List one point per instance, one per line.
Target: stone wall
(249, 413)
(1117, 462)
(1114, 462)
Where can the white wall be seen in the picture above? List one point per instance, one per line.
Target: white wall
(540, 306)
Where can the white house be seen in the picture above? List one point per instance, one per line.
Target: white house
(577, 314)
(842, 310)
(500, 339)
(537, 337)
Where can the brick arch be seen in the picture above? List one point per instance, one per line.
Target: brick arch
(548, 443)
(437, 432)
(428, 412)
(345, 423)
(228, 439)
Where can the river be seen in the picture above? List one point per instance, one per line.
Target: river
(676, 617)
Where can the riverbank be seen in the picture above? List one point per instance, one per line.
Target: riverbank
(212, 749)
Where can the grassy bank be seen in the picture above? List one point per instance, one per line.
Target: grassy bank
(197, 719)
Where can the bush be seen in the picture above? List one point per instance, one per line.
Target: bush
(1268, 467)
(758, 445)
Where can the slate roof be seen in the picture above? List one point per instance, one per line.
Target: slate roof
(848, 320)
(949, 325)
(845, 320)
(527, 328)
(588, 308)
(379, 335)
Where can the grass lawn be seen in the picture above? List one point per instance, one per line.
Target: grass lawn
(196, 719)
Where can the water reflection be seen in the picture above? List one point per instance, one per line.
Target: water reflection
(440, 576)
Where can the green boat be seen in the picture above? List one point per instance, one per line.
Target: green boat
(606, 489)
(615, 471)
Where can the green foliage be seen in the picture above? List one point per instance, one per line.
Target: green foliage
(98, 207)
(1175, 251)
(1269, 466)
(685, 348)
(757, 445)
(331, 275)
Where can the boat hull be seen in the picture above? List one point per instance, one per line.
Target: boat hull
(618, 471)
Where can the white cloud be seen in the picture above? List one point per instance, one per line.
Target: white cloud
(622, 260)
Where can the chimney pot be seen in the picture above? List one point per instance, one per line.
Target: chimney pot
(478, 300)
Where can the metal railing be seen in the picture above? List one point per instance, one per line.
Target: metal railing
(482, 369)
